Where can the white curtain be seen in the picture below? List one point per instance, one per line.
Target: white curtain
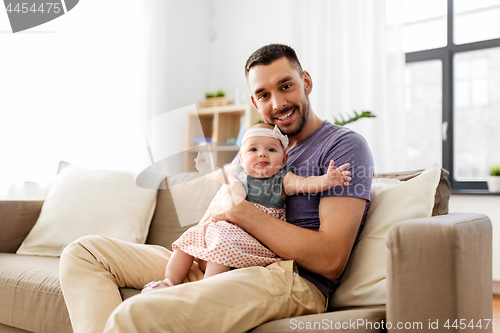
(352, 51)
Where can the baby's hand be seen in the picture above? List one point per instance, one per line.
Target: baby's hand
(201, 164)
(199, 160)
(336, 177)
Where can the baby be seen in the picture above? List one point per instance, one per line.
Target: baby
(267, 181)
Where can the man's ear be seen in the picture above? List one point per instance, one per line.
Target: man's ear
(285, 158)
(308, 84)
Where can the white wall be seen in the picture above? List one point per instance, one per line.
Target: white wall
(180, 53)
(179, 65)
(240, 28)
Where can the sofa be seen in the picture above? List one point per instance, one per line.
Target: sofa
(434, 271)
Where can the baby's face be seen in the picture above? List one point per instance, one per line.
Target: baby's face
(262, 157)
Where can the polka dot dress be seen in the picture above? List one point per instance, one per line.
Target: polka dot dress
(227, 244)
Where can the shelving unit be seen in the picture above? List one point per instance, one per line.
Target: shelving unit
(220, 124)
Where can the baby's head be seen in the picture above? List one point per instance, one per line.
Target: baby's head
(262, 152)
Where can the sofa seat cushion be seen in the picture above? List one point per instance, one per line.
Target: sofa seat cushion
(128, 292)
(10, 329)
(30, 294)
(363, 319)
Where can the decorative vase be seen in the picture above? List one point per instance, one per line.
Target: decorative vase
(494, 184)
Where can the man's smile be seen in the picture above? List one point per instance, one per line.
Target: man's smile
(286, 117)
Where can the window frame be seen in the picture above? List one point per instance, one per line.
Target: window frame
(446, 55)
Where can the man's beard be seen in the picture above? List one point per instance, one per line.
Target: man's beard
(301, 120)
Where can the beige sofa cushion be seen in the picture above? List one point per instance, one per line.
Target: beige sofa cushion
(90, 202)
(443, 191)
(10, 329)
(30, 294)
(16, 220)
(363, 282)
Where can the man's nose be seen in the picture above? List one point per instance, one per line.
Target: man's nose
(279, 102)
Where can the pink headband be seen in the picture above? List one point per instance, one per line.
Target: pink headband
(267, 132)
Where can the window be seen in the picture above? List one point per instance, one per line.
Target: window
(423, 81)
(424, 24)
(452, 87)
(476, 113)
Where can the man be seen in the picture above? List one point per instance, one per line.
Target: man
(315, 242)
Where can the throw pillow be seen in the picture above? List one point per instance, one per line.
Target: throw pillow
(443, 191)
(90, 202)
(363, 282)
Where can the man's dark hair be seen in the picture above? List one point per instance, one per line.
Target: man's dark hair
(269, 53)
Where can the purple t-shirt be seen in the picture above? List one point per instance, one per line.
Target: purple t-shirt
(311, 157)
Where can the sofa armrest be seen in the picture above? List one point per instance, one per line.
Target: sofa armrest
(440, 268)
(17, 217)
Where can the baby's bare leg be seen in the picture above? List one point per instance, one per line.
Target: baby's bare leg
(214, 269)
(178, 266)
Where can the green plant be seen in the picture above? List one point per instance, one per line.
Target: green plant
(363, 114)
(219, 93)
(495, 170)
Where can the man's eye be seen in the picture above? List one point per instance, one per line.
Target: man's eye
(263, 96)
(286, 86)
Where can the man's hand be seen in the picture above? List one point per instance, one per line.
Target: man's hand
(237, 215)
(336, 177)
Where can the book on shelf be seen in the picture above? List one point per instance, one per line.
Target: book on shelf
(241, 133)
(201, 141)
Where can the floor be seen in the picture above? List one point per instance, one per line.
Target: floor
(496, 311)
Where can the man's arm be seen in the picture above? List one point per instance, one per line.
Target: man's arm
(324, 252)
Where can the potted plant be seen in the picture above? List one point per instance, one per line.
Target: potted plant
(364, 114)
(494, 180)
(217, 98)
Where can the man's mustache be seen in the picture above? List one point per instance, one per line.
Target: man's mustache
(286, 109)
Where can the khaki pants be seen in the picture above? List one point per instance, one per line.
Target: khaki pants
(93, 267)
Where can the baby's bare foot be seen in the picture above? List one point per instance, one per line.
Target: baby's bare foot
(157, 285)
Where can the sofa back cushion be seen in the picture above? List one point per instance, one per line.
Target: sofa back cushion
(17, 217)
(85, 202)
(363, 281)
(443, 190)
(178, 207)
